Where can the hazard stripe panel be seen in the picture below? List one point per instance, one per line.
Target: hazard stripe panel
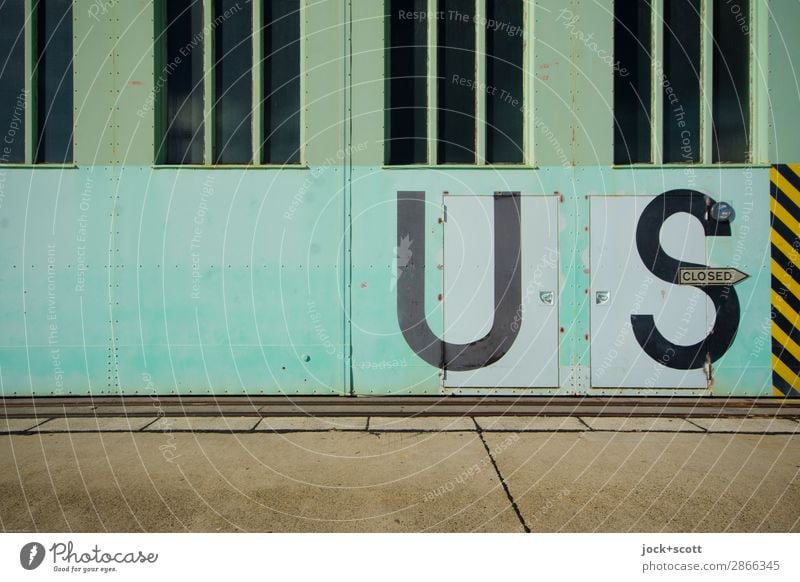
(785, 239)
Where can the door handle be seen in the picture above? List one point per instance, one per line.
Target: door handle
(547, 297)
(602, 297)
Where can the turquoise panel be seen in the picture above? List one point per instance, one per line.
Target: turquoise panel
(383, 363)
(745, 369)
(137, 280)
(230, 282)
(55, 319)
(382, 360)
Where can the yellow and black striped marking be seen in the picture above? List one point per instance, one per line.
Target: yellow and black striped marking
(785, 239)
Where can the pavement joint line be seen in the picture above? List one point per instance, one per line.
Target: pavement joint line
(689, 420)
(45, 421)
(510, 497)
(31, 432)
(539, 430)
(199, 431)
(444, 414)
(299, 430)
(30, 429)
(148, 424)
(412, 431)
(73, 432)
(41, 422)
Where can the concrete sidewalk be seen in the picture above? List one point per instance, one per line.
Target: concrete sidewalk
(399, 474)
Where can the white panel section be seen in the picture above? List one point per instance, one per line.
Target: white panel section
(618, 273)
(468, 268)
(532, 361)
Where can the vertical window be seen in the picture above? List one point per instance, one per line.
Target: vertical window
(681, 99)
(632, 82)
(408, 51)
(731, 103)
(227, 60)
(12, 82)
(184, 79)
(457, 82)
(701, 87)
(504, 118)
(233, 64)
(43, 83)
(54, 81)
(281, 82)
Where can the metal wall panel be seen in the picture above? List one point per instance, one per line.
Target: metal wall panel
(324, 86)
(785, 268)
(470, 270)
(289, 282)
(201, 281)
(553, 83)
(229, 282)
(382, 360)
(592, 93)
(782, 82)
(116, 87)
(55, 287)
(624, 287)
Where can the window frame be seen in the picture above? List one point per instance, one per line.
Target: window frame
(758, 94)
(432, 117)
(31, 88)
(257, 117)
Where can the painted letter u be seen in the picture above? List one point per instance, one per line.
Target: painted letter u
(411, 286)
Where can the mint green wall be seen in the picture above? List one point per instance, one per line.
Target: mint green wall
(783, 81)
(121, 277)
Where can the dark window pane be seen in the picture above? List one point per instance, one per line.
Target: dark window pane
(731, 101)
(408, 98)
(681, 81)
(282, 82)
(456, 62)
(233, 86)
(12, 82)
(54, 80)
(504, 142)
(184, 78)
(632, 81)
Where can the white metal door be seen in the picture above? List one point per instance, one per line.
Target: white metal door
(470, 281)
(625, 292)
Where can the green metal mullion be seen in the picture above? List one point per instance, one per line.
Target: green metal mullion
(258, 81)
(527, 84)
(759, 97)
(706, 83)
(208, 82)
(347, 162)
(302, 160)
(656, 89)
(159, 37)
(30, 82)
(480, 76)
(433, 86)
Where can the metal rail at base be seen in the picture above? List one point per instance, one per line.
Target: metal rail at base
(264, 406)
